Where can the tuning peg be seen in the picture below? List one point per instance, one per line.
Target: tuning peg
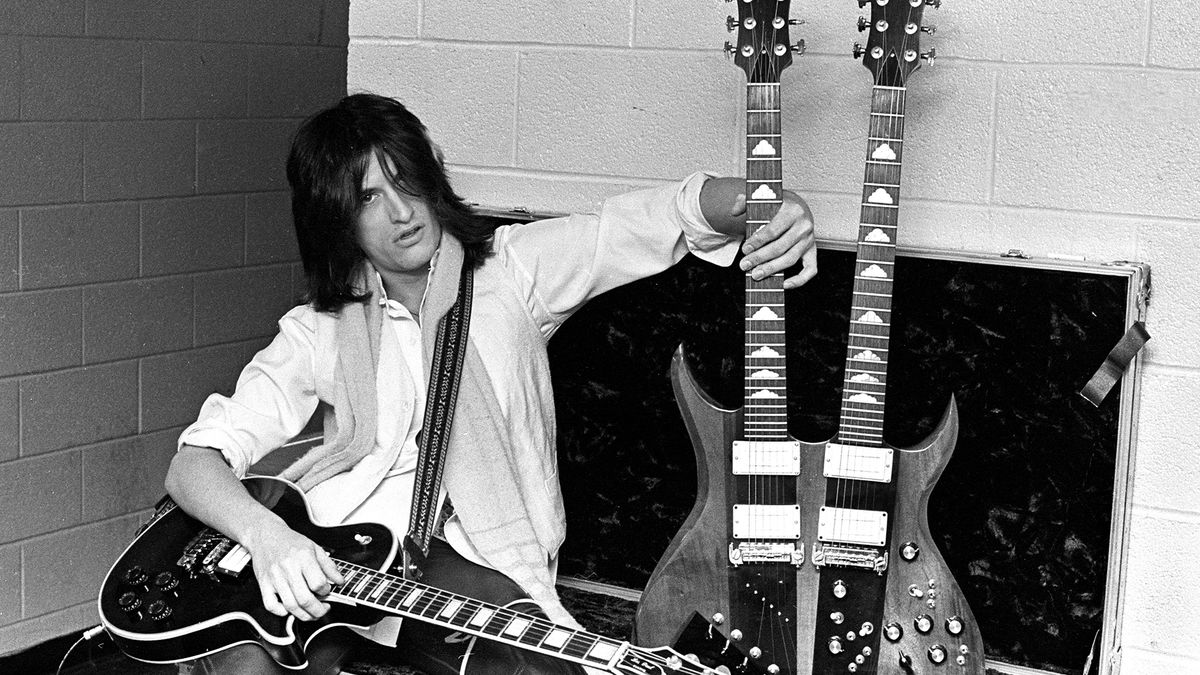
(863, 3)
(797, 22)
(858, 50)
(936, 4)
(798, 47)
(730, 24)
(863, 23)
(729, 49)
(929, 56)
(929, 29)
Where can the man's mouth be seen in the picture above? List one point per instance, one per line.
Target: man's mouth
(407, 234)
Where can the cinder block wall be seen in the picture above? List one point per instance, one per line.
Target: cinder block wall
(145, 253)
(1056, 128)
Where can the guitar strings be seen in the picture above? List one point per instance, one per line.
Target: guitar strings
(544, 627)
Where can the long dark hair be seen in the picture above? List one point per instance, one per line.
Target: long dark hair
(329, 157)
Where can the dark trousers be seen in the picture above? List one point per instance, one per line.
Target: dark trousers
(431, 649)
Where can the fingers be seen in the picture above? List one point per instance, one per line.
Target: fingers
(787, 240)
(295, 584)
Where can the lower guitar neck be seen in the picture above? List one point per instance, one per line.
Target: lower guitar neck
(402, 597)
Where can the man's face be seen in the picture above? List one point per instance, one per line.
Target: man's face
(397, 230)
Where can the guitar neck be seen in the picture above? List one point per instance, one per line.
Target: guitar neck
(765, 365)
(427, 604)
(867, 355)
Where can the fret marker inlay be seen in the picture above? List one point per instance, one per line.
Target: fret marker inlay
(884, 152)
(764, 353)
(874, 272)
(878, 236)
(763, 148)
(867, 355)
(764, 193)
(764, 313)
(880, 196)
(765, 374)
(870, 317)
(865, 377)
(557, 638)
(764, 393)
(863, 398)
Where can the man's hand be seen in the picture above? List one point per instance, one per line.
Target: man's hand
(293, 572)
(789, 238)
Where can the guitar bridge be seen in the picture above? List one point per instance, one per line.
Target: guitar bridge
(849, 556)
(766, 552)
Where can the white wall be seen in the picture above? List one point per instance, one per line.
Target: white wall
(1064, 127)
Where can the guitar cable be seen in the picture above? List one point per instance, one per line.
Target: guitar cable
(87, 635)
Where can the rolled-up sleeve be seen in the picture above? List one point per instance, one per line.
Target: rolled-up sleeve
(562, 263)
(274, 398)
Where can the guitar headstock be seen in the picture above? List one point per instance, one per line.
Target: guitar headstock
(893, 48)
(763, 47)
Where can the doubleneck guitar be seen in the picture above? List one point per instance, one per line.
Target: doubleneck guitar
(182, 590)
(735, 560)
(886, 601)
(875, 595)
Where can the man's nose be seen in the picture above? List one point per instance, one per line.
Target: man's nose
(401, 209)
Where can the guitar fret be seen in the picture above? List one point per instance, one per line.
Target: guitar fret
(885, 138)
(764, 111)
(881, 114)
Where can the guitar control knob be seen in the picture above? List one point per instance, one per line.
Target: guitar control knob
(867, 652)
(923, 624)
(773, 669)
(674, 662)
(851, 636)
(837, 617)
(839, 589)
(937, 654)
(166, 583)
(735, 635)
(960, 660)
(718, 619)
(159, 610)
(954, 625)
(867, 628)
(906, 663)
(136, 576)
(892, 631)
(909, 551)
(130, 603)
(755, 653)
(852, 667)
(835, 645)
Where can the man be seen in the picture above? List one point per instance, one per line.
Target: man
(383, 238)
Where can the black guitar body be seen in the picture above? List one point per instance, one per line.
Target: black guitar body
(167, 599)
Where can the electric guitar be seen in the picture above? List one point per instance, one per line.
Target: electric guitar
(181, 591)
(886, 601)
(735, 559)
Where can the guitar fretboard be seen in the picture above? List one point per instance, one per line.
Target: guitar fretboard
(871, 310)
(424, 603)
(766, 374)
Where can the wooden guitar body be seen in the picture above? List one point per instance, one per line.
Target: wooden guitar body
(694, 575)
(921, 622)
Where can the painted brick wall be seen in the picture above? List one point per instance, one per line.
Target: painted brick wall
(1057, 128)
(145, 253)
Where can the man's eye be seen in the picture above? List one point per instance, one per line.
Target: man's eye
(369, 197)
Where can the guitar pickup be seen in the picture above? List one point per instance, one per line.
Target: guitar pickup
(766, 458)
(852, 526)
(766, 521)
(858, 462)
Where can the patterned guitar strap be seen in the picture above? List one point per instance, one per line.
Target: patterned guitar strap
(449, 353)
